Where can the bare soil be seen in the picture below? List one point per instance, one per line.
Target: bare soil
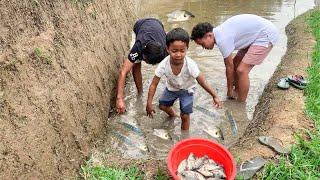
(59, 63)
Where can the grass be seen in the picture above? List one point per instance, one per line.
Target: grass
(110, 173)
(161, 175)
(304, 160)
(38, 53)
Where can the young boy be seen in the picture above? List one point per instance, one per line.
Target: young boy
(181, 73)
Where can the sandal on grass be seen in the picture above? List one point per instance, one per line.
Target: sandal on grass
(250, 167)
(298, 81)
(283, 83)
(274, 144)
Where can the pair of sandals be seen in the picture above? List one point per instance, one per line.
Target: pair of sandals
(296, 81)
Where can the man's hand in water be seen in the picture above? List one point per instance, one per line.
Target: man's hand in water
(217, 102)
(150, 110)
(121, 107)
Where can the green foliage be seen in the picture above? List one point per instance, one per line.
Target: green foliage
(38, 53)
(110, 173)
(303, 162)
(161, 175)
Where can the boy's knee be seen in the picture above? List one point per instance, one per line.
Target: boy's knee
(162, 107)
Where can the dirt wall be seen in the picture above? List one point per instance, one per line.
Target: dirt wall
(58, 70)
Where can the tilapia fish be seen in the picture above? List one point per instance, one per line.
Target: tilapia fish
(206, 111)
(128, 141)
(232, 122)
(132, 127)
(215, 132)
(179, 15)
(161, 133)
(200, 168)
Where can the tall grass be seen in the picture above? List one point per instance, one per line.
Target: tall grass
(304, 160)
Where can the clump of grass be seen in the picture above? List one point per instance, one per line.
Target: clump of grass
(161, 175)
(94, 15)
(303, 162)
(38, 53)
(113, 173)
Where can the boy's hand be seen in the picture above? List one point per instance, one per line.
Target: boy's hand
(150, 110)
(217, 102)
(121, 107)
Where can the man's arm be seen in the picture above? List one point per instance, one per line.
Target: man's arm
(127, 66)
(229, 74)
(203, 83)
(152, 90)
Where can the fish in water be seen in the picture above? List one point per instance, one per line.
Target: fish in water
(179, 15)
(132, 128)
(128, 141)
(161, 133)
(232, 122)
(206, 111)
(215, 132)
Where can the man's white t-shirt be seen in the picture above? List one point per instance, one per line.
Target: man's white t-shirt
(186, 79)
(241, 31)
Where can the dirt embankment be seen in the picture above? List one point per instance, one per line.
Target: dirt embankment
(280, 113)
(58, 68)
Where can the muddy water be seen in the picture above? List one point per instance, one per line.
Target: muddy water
(211, 64)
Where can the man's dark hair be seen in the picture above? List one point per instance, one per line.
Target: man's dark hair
(200, 30)
(153, 52)
(177, 34)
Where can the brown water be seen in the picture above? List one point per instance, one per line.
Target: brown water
(211, 64)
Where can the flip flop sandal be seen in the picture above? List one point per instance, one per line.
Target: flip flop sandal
(283, 83)
(250, 167)
(298, 81)
(274, 144)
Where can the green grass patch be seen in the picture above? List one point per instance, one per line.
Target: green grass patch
(90, 172)
(40, 55)
(304, 160)
(161, 175)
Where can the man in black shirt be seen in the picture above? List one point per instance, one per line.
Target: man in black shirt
(150, 46)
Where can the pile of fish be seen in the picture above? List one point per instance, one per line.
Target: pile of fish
(200, 168)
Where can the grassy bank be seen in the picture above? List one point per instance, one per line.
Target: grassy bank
(134, 172)
(303, 162)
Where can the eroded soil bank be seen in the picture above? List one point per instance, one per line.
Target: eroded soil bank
(59, 62)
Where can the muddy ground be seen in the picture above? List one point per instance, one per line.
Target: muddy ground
(279, 113)
(59, 61)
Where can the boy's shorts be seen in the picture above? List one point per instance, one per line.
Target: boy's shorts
(185, 98)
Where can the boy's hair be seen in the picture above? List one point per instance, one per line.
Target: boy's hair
(153, 52)
(177, 34)
(200, 30)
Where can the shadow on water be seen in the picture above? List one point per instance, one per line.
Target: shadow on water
(205, 118)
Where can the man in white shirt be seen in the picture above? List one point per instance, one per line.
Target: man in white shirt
(251, 35)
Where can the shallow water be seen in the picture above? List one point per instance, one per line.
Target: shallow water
(211, 64)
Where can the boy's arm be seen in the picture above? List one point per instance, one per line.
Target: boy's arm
(152, 90)
(127, 66)
(203, 83)
(229, 74)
